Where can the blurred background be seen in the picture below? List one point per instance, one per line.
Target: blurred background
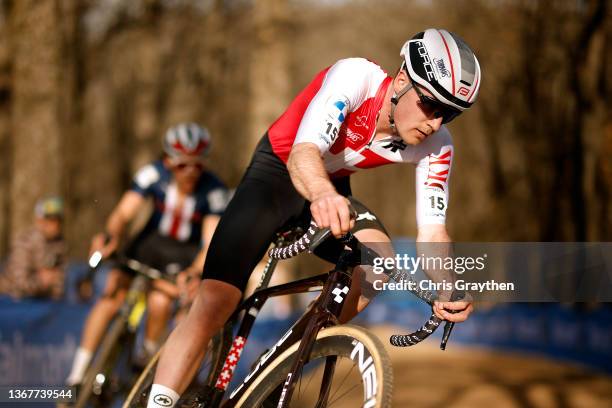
(88, 87)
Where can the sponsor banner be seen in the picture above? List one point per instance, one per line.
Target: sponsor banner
(38, 340)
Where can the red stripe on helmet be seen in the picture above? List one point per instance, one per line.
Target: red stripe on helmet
(200, 147)
(474, 90)
(202, 144)
(450, 59)
(178, 146)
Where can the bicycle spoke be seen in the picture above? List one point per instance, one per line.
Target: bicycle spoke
(337, 399)
(343, 380)
(310, 379)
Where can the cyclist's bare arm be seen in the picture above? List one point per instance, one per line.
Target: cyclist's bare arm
(328, 208)
(125, 211)
(436, 233)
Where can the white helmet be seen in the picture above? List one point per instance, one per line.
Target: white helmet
(445, 65)
(186, 139)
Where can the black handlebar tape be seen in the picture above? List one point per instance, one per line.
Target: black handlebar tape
(308, 242)
(406, 340)
(297, 247)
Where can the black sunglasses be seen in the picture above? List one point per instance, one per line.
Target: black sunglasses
(183, 166)
(432, 106)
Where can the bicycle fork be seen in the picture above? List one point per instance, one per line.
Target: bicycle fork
(326, 310)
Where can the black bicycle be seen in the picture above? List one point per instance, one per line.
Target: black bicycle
(317, 362)
(112, 370)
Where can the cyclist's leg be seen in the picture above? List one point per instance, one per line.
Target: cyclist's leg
(355, 302)
(369, 230)
(97, 321)
(159, 312)
(186, 346)
(160, 252)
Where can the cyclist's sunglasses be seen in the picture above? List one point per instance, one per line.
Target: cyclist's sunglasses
(183, 165)
(432, 106)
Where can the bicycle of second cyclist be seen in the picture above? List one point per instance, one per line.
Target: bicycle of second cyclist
(317, 362)
(115, 364)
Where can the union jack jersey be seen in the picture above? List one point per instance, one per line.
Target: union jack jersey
(338, 112)
(181, 222)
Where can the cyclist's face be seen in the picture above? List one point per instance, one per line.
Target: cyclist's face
(414, 120)
(186, 171)
(51, 227)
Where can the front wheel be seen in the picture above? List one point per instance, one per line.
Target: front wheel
(348, 367)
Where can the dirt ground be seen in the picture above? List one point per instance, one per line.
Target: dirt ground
(472, 377)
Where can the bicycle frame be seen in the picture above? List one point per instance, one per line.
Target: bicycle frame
(136, 303)
(323, 312)
(130, 314)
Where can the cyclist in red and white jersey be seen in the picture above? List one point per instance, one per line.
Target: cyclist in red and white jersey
(352, 116)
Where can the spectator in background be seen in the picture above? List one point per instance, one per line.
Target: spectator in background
(36, 264)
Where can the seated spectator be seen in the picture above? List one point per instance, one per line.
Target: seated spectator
(36, 264)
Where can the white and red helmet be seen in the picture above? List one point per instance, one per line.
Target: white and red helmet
(442, 63)
(186, 139)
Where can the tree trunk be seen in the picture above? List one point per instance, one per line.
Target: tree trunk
(41, 92)
(269, 68)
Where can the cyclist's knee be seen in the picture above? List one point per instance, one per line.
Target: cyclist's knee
(371, 235)
(116, 282)
(214, 304)
(112, 302)
(159, 303)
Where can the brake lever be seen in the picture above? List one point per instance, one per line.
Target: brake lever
(320, 236)
(448, 326)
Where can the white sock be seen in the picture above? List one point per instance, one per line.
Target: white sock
(79, 365)
(162, 397)
(149, 346)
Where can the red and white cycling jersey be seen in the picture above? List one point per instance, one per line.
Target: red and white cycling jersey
(338, 111)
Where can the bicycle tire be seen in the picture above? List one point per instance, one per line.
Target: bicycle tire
(218, 348)
(108, 347)
(341, 341)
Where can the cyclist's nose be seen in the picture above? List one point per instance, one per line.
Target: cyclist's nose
(434, 124)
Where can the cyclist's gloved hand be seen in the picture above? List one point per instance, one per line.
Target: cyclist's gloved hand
(332, 210)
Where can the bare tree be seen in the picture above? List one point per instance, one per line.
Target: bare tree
(270, 83)
(41, 84)
(546, 97)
